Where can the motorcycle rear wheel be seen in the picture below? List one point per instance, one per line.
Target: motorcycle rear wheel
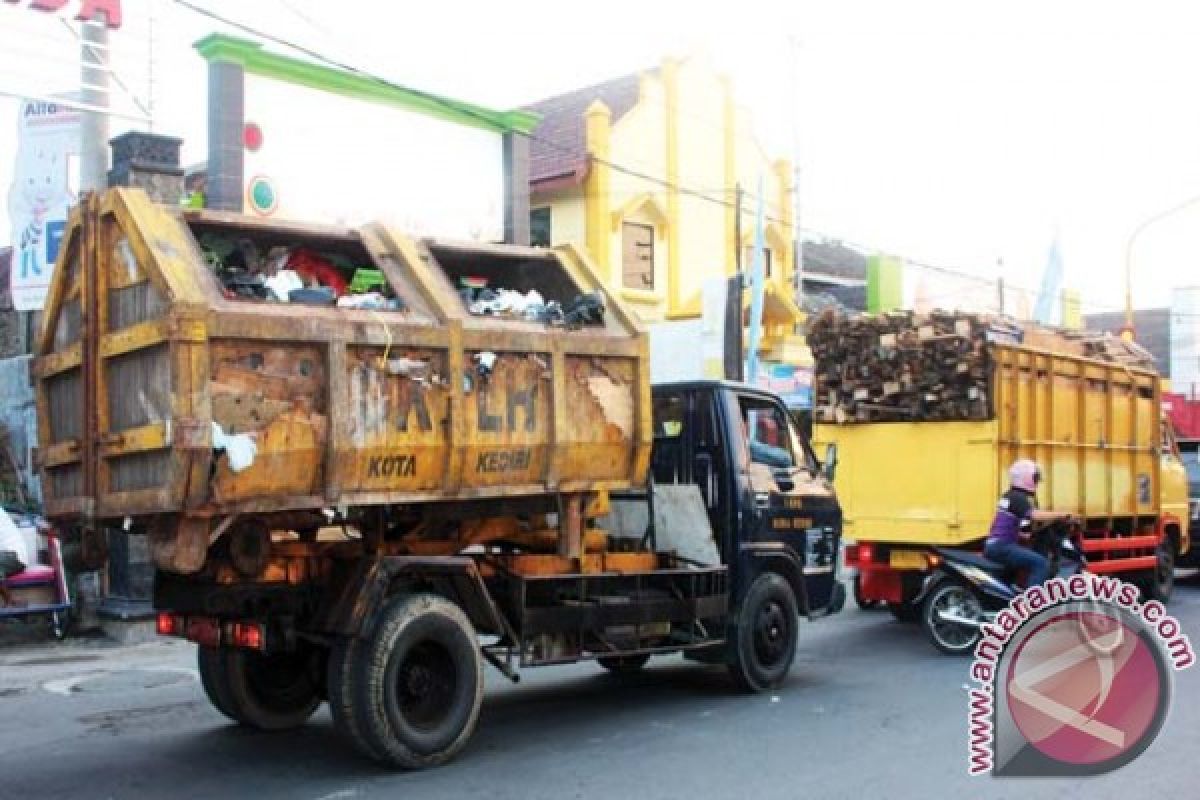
(951, 597)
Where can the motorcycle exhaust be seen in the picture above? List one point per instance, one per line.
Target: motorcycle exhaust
(949, 616)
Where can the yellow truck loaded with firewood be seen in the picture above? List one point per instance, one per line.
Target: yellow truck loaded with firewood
(355, 453)
(927, 413)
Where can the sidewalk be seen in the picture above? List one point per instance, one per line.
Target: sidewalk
(26, 666)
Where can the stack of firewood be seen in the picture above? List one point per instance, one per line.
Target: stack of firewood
(902, 366)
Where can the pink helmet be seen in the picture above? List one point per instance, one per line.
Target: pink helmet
(1024, 474)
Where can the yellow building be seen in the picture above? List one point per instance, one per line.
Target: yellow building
(642, 171)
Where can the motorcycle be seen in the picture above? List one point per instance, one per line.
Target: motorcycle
(967, 590)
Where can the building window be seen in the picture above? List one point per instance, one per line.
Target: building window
(637, 256)
(748, 261)
(539, 227)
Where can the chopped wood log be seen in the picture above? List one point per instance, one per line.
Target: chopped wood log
(902, 366)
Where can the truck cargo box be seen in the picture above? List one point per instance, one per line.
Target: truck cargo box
(397, 373)
(1093, 426)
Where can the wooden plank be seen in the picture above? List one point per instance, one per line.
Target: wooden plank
(55, 363)
(140, 336)
(54, 455)
(135, 440)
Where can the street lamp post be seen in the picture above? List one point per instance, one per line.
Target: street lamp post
(1146, 223)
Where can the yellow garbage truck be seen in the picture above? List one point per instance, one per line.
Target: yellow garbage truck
(1095, 427)
(367, 464)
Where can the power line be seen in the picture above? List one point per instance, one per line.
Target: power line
(467, 110)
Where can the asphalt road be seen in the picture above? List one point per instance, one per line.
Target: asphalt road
(870, 710)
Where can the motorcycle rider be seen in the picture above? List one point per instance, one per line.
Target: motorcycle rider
(1016, 509)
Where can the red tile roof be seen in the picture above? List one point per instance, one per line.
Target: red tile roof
(557, 154)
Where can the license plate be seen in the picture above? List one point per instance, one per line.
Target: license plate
(907, 559)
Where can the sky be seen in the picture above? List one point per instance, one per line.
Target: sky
(962, 134)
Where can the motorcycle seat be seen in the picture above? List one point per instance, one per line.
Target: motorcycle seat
(975, 559)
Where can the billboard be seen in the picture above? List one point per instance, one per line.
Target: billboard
(45, 177)
(323, 157)
(792, 383)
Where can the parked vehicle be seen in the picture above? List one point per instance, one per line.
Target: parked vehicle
(39, 590)
(1096, 429)
(967, 590)
(344, 493)
(1189, 451)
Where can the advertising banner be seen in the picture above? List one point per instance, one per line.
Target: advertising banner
(40, 195)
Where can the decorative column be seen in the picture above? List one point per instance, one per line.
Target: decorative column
(516, 188)
(148, 161)
(670, 77)
(597, 198)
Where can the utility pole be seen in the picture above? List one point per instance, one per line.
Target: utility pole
(94, 91)
(734, 357)
(797, 238)
(1000, 285)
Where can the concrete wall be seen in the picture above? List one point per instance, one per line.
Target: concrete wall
(19, 417)
(712, 134)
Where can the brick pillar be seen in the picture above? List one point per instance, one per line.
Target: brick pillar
(148, 161)
(516, 188)
(226, 118)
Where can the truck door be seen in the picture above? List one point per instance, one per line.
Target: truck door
(688, 449)
(786, 500)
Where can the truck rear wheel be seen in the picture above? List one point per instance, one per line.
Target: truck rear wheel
(212, 679)
(340, 688)
(767, 629)
(418, 682)
(271, 692)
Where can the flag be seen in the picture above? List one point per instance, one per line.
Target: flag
(1052, 279)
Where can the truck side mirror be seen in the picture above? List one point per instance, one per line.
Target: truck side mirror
(831, 461)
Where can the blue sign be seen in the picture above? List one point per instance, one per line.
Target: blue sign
(55, 229)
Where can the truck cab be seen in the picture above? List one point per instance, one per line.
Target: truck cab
(770, 503)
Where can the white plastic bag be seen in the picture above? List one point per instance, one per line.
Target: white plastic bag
(282, 283)
(240, 448)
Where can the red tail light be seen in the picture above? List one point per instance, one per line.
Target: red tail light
(204, 631)
(866, 553)
(167, 624)
(248, 635)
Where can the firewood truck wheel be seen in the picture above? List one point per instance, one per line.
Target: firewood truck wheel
(768, 627)
(905, 611)
(1160, 583)
(859, 600)
(623, 665)
(271, 691)
(212, 679)
(418, 683)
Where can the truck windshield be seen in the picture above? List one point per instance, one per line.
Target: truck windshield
(771, 436)
(1191, 460)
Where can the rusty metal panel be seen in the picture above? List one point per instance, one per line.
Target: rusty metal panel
(507, 426)
(276, 392)
(345, 406)
(598, 442)
(395, 435)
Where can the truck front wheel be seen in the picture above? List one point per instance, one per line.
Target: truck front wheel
(271, 692)
(418, 683)
(767, 629)
(1161, 582)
